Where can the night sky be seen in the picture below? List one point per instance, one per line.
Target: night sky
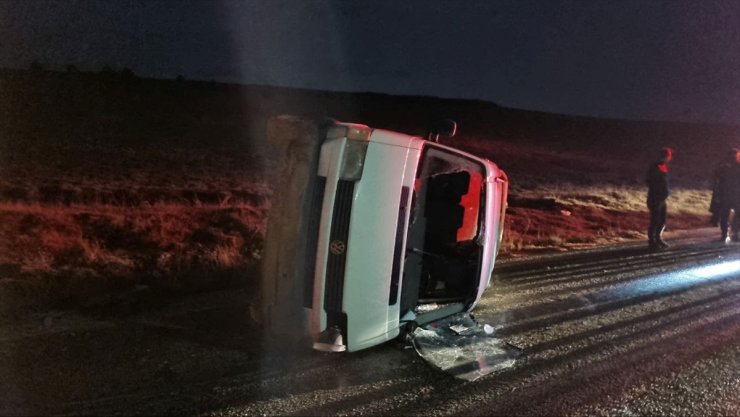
(641, 59)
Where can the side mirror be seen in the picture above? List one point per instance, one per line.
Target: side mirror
(444, 127)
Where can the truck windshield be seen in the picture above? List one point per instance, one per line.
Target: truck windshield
(442, 256)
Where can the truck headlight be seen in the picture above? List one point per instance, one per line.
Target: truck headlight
(356, 138)
(353, 161)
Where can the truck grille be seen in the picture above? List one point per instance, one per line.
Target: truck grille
(312, 240)
(337, 258)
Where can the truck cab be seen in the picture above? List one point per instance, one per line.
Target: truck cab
(407, 232)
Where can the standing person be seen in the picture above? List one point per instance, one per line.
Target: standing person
(726, 195)
(658, 191)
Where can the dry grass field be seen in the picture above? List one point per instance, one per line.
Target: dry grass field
(577, 193)
(111, 182)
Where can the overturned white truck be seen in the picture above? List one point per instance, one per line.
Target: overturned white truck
(373, 232)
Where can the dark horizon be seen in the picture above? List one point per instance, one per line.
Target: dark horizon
(632, 60)
(61, 69)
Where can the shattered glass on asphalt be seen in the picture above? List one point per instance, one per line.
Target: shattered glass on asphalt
(464, 348)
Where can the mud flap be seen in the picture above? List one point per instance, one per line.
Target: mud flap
(462, 347)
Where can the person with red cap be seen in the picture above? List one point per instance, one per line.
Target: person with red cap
(658, 191)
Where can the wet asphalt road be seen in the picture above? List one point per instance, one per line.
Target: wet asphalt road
(608, 332)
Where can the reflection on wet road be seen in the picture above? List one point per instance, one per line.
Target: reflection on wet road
(620, 331)
(599, 330)
(675, 280)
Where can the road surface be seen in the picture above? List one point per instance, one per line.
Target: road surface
(617, 331)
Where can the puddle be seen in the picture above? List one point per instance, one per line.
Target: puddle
(464, 348)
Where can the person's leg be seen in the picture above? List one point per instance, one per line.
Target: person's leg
(651, 226)
(735, 225)
(724, 224)
(657, 222)
(660, 224)
(714, 208)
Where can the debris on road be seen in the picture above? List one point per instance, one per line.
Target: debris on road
(462, 347)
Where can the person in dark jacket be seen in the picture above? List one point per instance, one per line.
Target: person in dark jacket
(726, 195)
(658, 191)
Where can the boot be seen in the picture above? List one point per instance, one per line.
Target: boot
(659, 239)
(652, 245)
(724, 238)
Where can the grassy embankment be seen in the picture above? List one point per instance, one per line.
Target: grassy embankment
(107, 184)
(110, 182)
